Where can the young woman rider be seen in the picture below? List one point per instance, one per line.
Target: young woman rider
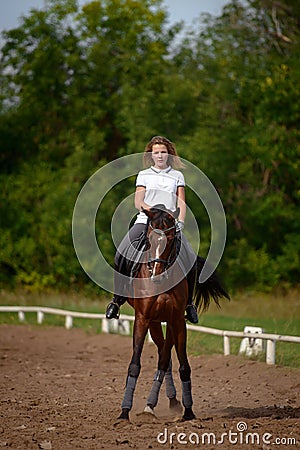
(161, 183)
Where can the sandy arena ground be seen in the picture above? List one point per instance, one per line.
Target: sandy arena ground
(62, 389)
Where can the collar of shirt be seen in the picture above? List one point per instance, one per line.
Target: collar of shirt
(162, 170)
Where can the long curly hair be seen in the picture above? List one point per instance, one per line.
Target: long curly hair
(173, 160)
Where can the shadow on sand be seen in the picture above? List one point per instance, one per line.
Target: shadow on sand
(276, 412)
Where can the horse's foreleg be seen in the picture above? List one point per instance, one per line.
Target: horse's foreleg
(184, 370)
(133, 373)
(139, 333)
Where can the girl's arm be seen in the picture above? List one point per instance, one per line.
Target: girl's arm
(181, 203)
(139, 198)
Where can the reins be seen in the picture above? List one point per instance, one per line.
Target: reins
(158, 231)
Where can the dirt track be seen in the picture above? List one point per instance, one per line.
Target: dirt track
(63, 389)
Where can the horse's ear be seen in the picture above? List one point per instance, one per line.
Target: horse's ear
(147, 212)
(176, 213)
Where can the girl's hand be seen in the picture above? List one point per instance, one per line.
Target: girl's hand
(179, 226)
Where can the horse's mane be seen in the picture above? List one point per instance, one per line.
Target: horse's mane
(161, 212)
(160, 209)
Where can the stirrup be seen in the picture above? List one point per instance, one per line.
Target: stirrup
(112, 310)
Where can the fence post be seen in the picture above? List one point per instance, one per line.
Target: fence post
(21, 316)
(40, 317)
(270, 356)
(226, 342)
(69, 322)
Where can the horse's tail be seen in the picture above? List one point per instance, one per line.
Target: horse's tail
(211, 289)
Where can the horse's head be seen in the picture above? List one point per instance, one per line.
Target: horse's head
(161, 237)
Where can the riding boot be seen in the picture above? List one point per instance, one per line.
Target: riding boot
(113, 308)
(191, 309)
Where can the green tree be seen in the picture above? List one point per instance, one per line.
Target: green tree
(82, 86)
(69, 77)
(248, 138)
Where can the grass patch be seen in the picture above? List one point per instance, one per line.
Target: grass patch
(287, 353)
(275, 314)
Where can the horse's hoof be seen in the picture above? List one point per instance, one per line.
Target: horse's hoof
(149, 410)
(124, 414)
(188, 414)
(174, 404)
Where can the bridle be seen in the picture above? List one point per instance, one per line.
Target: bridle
(167, 262)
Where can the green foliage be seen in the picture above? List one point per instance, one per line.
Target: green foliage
(83, 86)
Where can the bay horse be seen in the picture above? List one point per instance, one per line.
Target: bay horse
(158, 305)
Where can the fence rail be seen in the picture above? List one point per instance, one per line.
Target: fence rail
(226, 334)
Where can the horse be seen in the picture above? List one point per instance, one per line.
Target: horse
(156, 305)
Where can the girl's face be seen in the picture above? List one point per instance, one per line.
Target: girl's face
(160, 156)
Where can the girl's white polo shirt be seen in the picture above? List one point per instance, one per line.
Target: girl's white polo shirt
(161, 188)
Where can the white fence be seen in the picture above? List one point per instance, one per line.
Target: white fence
(226, 334)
